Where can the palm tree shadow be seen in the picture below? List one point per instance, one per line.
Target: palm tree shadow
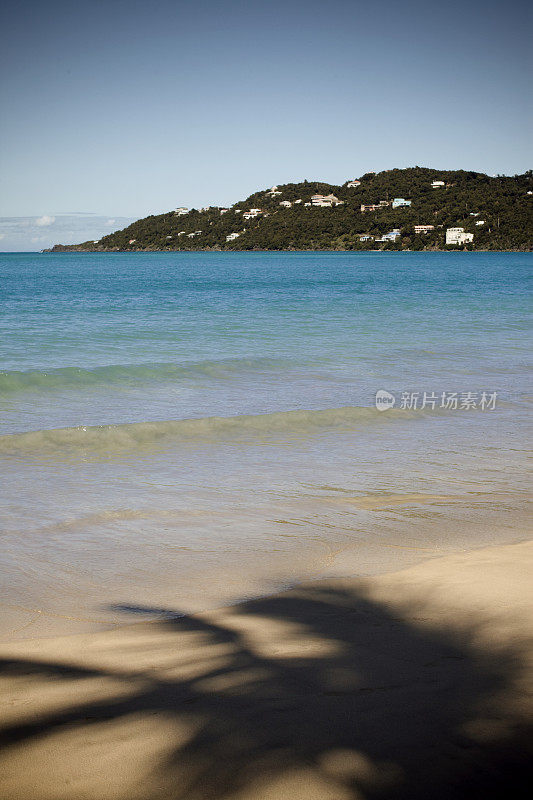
(347, 700)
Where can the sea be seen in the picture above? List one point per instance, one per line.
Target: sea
(179, 431)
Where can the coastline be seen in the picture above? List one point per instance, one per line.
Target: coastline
(412, 209)
(405, 684)
(73, 249)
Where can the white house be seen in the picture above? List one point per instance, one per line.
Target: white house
(252, 213)
(179, 212)
(437, 184)
(424, 228)
(365, 237)
(297, 201)
(400, 202)
(132, 241)
(231, 236)
(353, 184)
(458, 236)
(326, 200)
(285, 203)
(224, 210)
(480, 222)
(274, 192)
(391, 236)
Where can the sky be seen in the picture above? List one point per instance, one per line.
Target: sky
(115, 109)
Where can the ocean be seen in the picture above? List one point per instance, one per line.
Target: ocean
(183, 430)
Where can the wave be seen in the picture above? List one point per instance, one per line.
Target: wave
(115, 438)
(15, 381)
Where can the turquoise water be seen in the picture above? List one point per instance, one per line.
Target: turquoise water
(184, 429)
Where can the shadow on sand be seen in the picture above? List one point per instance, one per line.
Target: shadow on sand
(315, 693)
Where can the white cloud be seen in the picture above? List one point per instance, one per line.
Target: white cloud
(32, 233)
(44, 221)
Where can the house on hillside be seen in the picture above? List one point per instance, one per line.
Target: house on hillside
(353, 184)
(458, 236)
(437, 184)
(326, 200)
(374, 206)
(400, 202)
(424, 228)
(274, 192)
(231, 236)
(224, 210)
(285, 203)
(179, 212)
(391, 236)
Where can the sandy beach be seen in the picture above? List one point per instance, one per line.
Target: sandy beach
(412, 684)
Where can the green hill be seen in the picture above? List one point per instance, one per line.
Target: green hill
(496, 210)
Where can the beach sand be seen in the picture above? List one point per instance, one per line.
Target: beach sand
(406, 685)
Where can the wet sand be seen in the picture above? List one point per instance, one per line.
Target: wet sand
(413, 684)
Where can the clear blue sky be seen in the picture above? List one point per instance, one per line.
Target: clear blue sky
(120, 108)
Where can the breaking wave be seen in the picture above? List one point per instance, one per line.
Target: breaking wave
(112, 438)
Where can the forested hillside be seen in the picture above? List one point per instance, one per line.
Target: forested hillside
(496, 210)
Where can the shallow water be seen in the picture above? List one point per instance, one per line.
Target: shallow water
(181, 430)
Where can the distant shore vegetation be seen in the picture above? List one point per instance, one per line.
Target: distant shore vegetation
(399, 209)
